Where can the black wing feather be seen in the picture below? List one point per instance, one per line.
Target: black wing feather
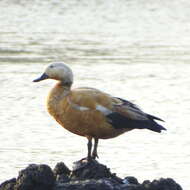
(120, 121)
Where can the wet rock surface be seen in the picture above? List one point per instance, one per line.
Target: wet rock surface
(84, 176)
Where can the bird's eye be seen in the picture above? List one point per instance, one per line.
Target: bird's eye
(51, 66)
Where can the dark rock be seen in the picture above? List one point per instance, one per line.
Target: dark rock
(62, 178)
(61, 168)
(90, 170)
(131, 180)
(35, 177)
(161, 184)
(62, 172)
(85, 176)
(8, 185)
(90, 184)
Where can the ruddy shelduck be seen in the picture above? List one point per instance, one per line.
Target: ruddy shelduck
(91, 113)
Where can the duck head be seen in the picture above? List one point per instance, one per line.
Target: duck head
(57, 71)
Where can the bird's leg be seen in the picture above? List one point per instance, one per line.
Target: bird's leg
(89, 157)
(94, 153)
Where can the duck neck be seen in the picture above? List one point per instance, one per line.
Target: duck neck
(65, 85)
(58, 93)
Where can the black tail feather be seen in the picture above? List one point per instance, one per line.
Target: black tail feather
(119, 121)
(156, 127)
(152, 117)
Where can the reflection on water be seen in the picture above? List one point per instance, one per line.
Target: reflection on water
(135, 50)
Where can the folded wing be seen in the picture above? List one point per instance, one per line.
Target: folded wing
(119, 113)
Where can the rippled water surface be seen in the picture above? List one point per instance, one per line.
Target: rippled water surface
(138, 50)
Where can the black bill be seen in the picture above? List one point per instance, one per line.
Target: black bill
(43, 77)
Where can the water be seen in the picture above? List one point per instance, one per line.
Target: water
(138, 50)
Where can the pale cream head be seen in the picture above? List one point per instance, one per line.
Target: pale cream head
(58, 71)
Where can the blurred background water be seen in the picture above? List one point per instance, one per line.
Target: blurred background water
(134, 49)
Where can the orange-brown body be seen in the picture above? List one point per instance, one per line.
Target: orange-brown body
(89, 122)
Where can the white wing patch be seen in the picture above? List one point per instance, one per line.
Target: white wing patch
(103, 109)
(100, 108)
(76, 106)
